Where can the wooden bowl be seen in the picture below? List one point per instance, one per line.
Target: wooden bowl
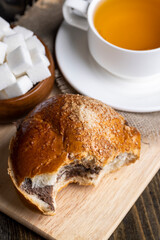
(14, 108)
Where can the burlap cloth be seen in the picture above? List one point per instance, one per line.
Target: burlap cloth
(44, 18)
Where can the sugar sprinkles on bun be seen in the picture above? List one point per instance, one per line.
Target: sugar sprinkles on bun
(68, 138)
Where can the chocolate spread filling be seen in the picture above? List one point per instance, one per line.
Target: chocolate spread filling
(44, 193)
(78, 170)
(72, 170)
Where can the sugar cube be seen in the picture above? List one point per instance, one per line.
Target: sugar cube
(45, 60)
(4, 27)
(3, 95)
(38, 72)
(38, 57)
(3, 24)
(8, 32)
(19, 60)
(6, 76)
(34, 42)
(20, 87)
(14, 41)
(24, 31)
(3, 50)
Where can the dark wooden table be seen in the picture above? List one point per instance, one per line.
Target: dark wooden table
(141, 223)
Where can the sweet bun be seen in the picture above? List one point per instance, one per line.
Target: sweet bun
(68, 138)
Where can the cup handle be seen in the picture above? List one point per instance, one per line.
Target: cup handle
(76, 20)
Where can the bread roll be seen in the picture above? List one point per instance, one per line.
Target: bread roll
(68, 138)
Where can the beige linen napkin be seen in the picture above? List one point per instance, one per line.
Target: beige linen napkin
(44, 18)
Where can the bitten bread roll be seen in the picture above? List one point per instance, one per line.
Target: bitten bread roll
(68, 138)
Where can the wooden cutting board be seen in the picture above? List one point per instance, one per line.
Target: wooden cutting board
(83, 213)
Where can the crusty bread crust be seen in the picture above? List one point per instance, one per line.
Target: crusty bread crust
(68, 127)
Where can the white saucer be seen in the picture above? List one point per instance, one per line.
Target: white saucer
(88, 78)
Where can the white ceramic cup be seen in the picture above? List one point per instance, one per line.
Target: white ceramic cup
(122, 62)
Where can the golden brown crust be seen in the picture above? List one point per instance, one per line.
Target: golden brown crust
(68, 127)
(35, 148)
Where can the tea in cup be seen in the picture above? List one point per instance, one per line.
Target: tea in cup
(123, 35)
